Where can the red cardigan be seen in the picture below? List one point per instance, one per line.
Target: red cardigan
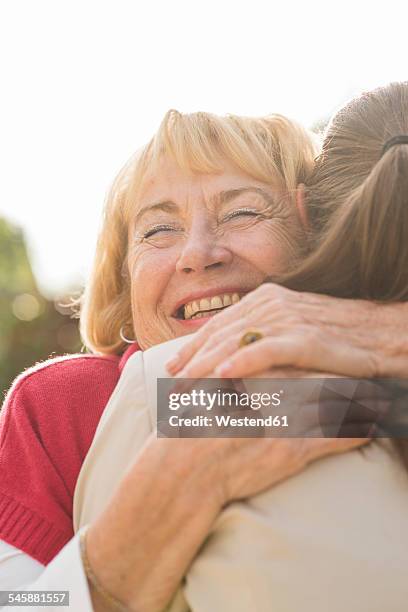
(47, 425)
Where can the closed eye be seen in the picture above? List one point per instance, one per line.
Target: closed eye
(250, 212)
(156, 229)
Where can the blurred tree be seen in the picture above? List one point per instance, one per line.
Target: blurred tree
(32, 328)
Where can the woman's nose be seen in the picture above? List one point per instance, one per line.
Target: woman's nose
(202, 250)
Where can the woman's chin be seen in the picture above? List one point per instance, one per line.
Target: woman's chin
(186, 326)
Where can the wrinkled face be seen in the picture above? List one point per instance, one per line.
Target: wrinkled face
(199, 242)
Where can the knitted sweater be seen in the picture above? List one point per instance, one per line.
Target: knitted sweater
(47, 425)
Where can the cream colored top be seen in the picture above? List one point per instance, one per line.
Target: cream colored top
(332, 538)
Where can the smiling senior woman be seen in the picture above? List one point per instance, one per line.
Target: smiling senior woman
(199, 218)
(208, 210)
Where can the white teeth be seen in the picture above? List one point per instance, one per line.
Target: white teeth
(188, 311)
(216, 302)
(199, 315)
(205, 304)
(201, 308)
(195, 307)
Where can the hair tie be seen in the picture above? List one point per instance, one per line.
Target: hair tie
(396, 140)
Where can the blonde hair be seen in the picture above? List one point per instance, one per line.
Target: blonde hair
(272, 149)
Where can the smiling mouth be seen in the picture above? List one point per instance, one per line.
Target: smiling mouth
(206, 307)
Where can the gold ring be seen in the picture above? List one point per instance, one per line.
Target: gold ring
(249, 337)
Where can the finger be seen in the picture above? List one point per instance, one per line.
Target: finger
(207, 359)
(319, 351)
(290, 372)
(224, 342)
(297, 351)
(255, 358)
(315, 448)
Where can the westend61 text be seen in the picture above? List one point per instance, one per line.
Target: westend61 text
(228, 421)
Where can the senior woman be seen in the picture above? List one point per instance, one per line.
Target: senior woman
(207, 204)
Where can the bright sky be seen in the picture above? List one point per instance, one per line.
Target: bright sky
(85, 83)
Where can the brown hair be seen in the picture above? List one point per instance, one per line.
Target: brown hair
(357, 199)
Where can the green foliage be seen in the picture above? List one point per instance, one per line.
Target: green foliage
(15, 270)
(31, 327)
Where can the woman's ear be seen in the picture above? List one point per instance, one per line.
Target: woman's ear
(301, 206)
